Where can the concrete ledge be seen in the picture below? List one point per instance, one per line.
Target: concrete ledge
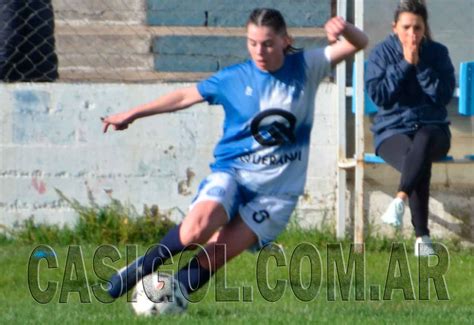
(135, 75)
(230, 13)
(113, 62)
(105, 28)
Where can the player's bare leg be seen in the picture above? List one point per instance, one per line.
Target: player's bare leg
(234, 238)
(200, 224)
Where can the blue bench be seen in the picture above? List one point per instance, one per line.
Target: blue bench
(466, 93)
(466, 88)
(369, 108)
(371, 158)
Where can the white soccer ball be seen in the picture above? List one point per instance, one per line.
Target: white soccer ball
(159, 293)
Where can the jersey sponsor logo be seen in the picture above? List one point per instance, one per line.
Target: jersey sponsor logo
(272, 159)
(260, 216)
(274, 127)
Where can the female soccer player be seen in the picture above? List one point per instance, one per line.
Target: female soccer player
(411, 79)
(261, 160)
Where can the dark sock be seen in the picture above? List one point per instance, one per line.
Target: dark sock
(193, 276)
(121, 282)
(169, 246)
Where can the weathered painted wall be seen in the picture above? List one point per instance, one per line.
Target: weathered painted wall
(51, 137)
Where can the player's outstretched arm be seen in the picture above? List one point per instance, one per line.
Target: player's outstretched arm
(176, 100)
(353, 39)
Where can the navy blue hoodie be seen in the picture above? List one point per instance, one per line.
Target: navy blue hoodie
(408, 96)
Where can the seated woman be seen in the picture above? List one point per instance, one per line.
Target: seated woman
(411, 79)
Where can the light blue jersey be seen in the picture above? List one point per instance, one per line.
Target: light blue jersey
(268, 121)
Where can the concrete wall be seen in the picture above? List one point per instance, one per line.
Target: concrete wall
(51, 137)
(50, 134)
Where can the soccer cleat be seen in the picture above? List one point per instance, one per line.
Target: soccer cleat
(126, 278)
(394, 214)
(423, 246)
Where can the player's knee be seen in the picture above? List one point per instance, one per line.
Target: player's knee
(212, 258)
(196, 230)
(217, 261)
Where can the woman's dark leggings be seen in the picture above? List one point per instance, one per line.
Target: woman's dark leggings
(412, 155)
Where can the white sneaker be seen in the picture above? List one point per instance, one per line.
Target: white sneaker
(423, 246)
(394, 214)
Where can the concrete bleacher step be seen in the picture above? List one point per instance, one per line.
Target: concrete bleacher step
(115, 40)
(122, 50)
(107, 75)
(208, 53)
(230, 13)
(106, 12)
(92, 47)
(101, 38)
(116, 62)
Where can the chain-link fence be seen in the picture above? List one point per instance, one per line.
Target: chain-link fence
(170, 40)
(136, 40)
(27, 44)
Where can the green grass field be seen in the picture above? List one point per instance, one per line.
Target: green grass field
(17, 305)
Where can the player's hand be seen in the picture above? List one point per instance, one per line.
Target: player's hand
(117, 121)
(334, 28)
